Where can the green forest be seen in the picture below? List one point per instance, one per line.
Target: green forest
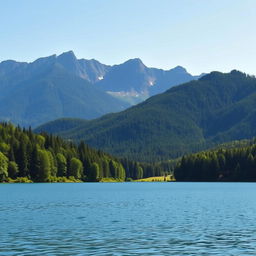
(223, 164)
(29, 157)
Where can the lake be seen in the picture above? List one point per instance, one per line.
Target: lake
(128, 219)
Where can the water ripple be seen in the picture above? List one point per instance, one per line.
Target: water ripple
(128, 219)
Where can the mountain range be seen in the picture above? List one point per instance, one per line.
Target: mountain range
(217, 108)
(50, 88)
(64, 86)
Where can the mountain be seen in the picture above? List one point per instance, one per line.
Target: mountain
(64, 86)
(90, 70)
(51, 88)
(129, 78)
(217, 108)
(132, 78)
(131, 75)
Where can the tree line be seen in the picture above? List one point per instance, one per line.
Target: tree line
(225, 164)
(47, 158)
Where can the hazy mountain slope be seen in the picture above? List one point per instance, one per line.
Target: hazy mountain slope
(166, 79)
(62, 124)
(132, 75)
(90, 70)
(53, 87)
(53, 94)
(133, 78)
(216, 108)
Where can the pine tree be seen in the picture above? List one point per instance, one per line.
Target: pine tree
(44, 166)
(3, 167)
(13, 170)
(76, 168)
(61, 165)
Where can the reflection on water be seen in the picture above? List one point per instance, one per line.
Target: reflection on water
(128, 219)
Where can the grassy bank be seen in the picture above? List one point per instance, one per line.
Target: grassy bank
(51, 180)
(110, 180)
(157, 179)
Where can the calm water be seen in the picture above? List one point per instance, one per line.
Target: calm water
(128, 219)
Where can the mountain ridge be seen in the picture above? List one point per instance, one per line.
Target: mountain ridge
(32, 87)
(44, 90)
(97, 73)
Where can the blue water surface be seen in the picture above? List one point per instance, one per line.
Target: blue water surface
(128, 219)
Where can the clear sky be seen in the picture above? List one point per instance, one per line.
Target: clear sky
(201, 35)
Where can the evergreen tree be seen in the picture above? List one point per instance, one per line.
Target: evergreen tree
(35, 164)
(3, 167)
(76, 168)
(61, 165)
(95, 170)
(139, 172)
(13, 170)
(44, 166)
(22, 160)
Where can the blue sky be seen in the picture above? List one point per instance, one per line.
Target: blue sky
(201, 35)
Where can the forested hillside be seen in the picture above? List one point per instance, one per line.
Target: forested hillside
(217, 108)
(233, 164)
(44, 158)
